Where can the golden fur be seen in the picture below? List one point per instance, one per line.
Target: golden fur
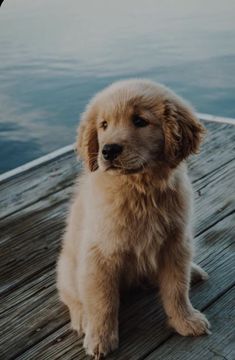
(131, 217)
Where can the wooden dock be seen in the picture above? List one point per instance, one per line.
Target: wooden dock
(35, 325)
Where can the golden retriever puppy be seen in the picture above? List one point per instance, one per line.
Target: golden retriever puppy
(131, 213)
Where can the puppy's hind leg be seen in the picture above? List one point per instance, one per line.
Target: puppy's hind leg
(174, 279)
(66, 284)
(197, 274)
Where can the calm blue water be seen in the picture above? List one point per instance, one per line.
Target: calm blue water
(54, 55)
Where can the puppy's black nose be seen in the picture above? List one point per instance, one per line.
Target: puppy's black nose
(111, 151)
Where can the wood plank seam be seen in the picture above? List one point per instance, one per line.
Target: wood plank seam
(213, 171)
(27, 279)
(34, 164)
(39, 199)
(213, 224)
(43, 338)
(218, 175)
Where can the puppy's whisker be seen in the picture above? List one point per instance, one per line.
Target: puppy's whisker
(135, 162)
(141, 157)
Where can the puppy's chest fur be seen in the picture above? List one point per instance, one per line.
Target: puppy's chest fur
(141, 220)
(149, 220)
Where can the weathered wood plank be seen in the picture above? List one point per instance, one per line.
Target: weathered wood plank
(214, 196)
(40, 182)
(37, 163)
(30, 245)
(219, 345)
(217, 150)
(142, 319)
(216, 119)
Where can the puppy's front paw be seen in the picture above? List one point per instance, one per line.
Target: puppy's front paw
(195, 324)
(100, 345)
(78, 321)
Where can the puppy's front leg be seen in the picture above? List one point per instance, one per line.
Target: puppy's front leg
(100, 297)
(174, 278)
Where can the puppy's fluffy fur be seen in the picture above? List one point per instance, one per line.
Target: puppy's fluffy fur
(131, 215)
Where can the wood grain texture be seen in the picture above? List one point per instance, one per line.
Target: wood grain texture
(33, 206)
(142, 320)
(37, 184)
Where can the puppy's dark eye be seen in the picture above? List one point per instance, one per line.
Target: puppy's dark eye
(104, 125)
(138, 121)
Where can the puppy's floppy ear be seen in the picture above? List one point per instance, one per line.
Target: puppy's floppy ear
(87, 140)
(183, 132)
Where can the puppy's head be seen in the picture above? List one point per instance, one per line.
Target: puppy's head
(135, 125)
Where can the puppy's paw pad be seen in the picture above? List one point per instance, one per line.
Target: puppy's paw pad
(195, 324)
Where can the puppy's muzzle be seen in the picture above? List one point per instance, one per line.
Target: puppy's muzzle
(111, 151)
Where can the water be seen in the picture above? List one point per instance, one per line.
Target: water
(54, 55)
